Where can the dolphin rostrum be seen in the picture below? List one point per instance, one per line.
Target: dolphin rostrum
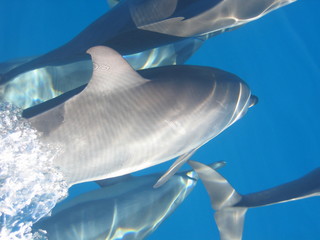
(231, 206)
(137, 25)
(124, 121)
(127, 208)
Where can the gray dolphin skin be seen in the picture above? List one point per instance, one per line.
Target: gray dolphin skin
(125, 121)
(39, 85)
(129, 208)
(231, 206)
(136, 25)
(112, 3)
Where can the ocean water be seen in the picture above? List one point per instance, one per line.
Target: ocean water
(277, 141)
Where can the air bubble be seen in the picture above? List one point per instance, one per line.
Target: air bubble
(29, 184)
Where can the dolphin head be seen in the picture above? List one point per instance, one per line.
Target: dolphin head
(232, 95)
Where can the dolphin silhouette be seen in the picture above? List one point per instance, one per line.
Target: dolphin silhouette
(104, 214)
(137, 25)
(124, 121)
(231, 206)
(42, 84)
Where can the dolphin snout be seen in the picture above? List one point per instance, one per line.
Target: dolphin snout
(253, 100)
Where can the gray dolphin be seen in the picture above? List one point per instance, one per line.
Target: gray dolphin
(125, 208)
(136, 25)
(125, 121)
(39, 85)
(231, 206)
(112, 3)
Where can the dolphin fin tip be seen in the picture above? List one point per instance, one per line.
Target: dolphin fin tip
(174, 168)
(101, 51)
(163, 179)
(158, 184)
(91, 50)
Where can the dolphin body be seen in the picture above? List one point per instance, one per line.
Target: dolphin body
(125, 121)
(130, 208)
(42, 84)
(231, 206)
(136, 25)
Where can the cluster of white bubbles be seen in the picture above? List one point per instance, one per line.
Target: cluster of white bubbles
(29, 184)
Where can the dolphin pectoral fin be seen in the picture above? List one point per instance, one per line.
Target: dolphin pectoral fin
(214, 165)
(174, 168)
(229, 219)
(110, 72)
(217, 165)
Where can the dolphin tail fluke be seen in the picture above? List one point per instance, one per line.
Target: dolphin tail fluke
(230, 222)
(229, 219)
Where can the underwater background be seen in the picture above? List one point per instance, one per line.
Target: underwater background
(277, 141)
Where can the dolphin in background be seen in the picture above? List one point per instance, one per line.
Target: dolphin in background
(124, 121)
(42, 84)
(134, 26)
(231, 206)
(126, 207)
(112, 3)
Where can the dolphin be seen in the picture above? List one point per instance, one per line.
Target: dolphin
(231, 206)
(42, 84)
(124, 121)
(112, 3)
(136, 25)
(103, 213)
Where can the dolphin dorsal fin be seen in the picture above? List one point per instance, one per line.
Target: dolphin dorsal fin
(111, 71)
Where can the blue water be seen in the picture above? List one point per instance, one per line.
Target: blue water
(277, 141)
